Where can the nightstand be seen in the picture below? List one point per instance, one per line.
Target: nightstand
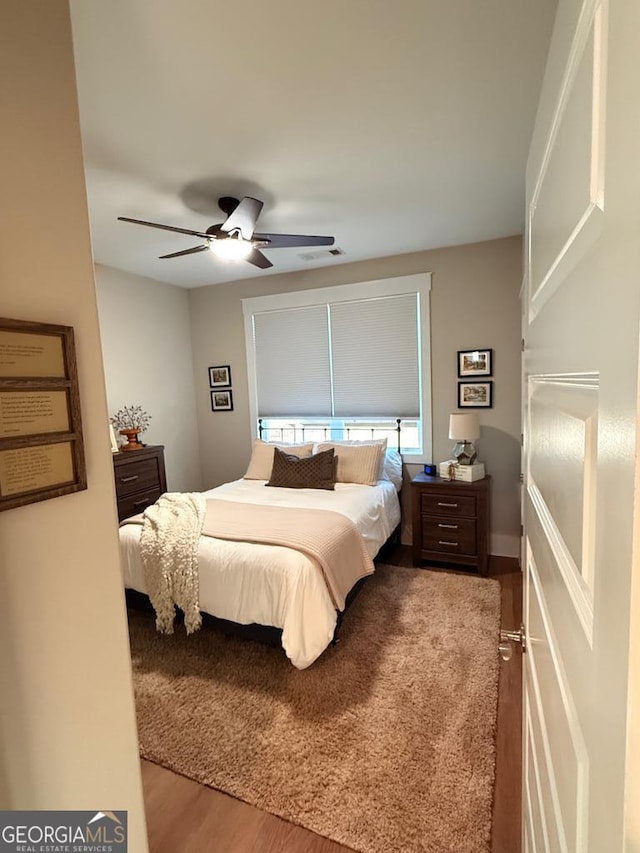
(140, 479)
(451, 521)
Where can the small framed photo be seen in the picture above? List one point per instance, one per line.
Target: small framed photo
(476, 362)
(221, 401)
(220, 377)
(475, 395)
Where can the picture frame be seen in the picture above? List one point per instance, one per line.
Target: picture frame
(477, 362)
(222, 401)
(220, 376)
(475, 395)
(114, 441)
(41, 444)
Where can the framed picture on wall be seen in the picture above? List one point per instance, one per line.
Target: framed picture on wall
(41, 447)
(221, 401)
(477, 362)
(220, 377)
(475, 395)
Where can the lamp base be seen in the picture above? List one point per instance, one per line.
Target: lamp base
(465, 453)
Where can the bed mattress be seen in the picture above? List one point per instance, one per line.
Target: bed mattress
(270, 584)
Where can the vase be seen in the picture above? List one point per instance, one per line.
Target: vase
(132, 439)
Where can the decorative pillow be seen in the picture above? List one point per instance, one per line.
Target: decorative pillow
(350, 443)
(261, 461)
(357, 463)
(310, 472)
(392, 468)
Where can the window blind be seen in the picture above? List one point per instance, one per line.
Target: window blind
(356, 358)
(374, 345)
(292, 362)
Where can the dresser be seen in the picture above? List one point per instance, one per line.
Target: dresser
(451, 521)
(140, 479)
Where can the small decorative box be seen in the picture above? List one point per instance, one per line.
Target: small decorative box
(450, 470)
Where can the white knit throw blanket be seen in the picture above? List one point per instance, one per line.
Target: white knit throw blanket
(171, 529)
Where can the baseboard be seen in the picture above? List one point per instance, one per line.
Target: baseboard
(504, 545)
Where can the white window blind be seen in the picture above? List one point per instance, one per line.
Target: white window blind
(375, 357)
(340, 359)
(292, 362)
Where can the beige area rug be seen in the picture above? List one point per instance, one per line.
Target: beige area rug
(386, 744)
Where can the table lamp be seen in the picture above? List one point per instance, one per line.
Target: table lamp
(464, 427)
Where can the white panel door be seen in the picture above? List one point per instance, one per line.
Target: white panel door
(581, 312)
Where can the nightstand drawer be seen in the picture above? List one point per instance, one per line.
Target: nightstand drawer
(435, 504)
(134, 504)
(450, 535)
(136, 476)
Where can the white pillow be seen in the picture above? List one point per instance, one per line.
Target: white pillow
(392, 468)
(350, 443)
(358, 462)
(261, 461)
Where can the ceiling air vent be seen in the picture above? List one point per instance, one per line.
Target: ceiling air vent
(320, 254)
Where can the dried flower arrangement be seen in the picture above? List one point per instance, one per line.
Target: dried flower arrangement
(131, 417)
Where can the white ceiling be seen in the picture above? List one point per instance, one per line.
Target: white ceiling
(393, 125)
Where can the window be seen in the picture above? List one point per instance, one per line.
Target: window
(295, 430)
(351, 358)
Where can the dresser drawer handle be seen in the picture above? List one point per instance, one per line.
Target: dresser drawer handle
(454, 506)
(449, 526)
(444, 542)
(131, 479)
(145, 501)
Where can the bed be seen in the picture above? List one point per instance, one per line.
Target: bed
(271, 585)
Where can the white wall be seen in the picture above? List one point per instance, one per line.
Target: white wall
(67, 722)
(146, 346)
(474, 304)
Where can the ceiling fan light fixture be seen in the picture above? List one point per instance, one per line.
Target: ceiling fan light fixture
(231, 248)
(236, 239)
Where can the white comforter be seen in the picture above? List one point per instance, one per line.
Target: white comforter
(270, 584)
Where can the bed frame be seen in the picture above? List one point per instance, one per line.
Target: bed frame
(347, 432)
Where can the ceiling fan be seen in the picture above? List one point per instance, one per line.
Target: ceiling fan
(236, 238)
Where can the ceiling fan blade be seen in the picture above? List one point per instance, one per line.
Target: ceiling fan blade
(256, 258)
(163, 227)
(244, 217)
(281, 241)
(185, 252)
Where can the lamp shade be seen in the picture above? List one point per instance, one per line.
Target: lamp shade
(464, 426)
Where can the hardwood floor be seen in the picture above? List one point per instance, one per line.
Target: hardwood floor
(507, 806)
(184, 816)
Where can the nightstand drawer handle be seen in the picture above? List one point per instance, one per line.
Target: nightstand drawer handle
(444, 542)
(451, 505)
(131, 479)
(145, 501)
(449, 526)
